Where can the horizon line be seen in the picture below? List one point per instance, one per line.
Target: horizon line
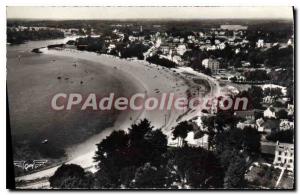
(112, 19)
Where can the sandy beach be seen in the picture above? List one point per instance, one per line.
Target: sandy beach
(147, 78)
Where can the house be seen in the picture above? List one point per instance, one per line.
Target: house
(269, 126)
(245, 63)
(268, 45)
(237, 50)
(177, 59)
(268, 148)
(221, 46)
(111, 47)
(176, 40)
(245, 114)
(247, 123)
(284, 156)
(211, 47)
(268, 99)
(270, 112)
(290, 109)
(132, 38)
(181, 49)
(259, 124)
(260, 43)
(165, 49)
(286, 125)
(212, 64)
(191, 37)
(197, 140)
(217, 41)
(272, 86)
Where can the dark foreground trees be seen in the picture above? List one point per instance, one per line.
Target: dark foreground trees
(234, 175)
(196, 167)
(181, 131)
(124, 158)
(71, 176)
(140, 158)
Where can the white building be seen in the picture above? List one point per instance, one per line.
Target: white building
(221, 46)
(284, 156)
(111, 47)
(290, 109)
(270, 113)
(272, 86)
(286, 125)
(260, 43)
(212, 64)
(196, 142)
(259, 124)
(181, 49)
(247, 123)
(268, 99)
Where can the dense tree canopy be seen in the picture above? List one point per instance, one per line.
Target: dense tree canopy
(71, 176)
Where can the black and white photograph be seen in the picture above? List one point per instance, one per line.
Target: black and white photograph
(151, 98)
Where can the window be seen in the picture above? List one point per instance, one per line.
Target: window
(279, 159)
(291, 160)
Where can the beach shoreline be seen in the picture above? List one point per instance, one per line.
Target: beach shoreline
(143, 73)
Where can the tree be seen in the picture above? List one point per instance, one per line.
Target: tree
(256, 94)
(235, 139)
(235, 174)
(157, 145)
(127, 175)
(148, 176)
(282, 114)
(103, 179)
(282, 136)
(111, 156)
(70, 176)
(181, 130)
(257, 75)
(273, 92)
(120, 154)
(155, 59)
(209, 124)
(134, 50)
(226, 157)
(138, 131)
(197, 167)
(216, 126)
(251, 140)
(117, 140)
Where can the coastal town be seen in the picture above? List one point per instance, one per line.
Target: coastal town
(250, 148)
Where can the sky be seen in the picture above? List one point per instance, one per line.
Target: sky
(148, 12)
